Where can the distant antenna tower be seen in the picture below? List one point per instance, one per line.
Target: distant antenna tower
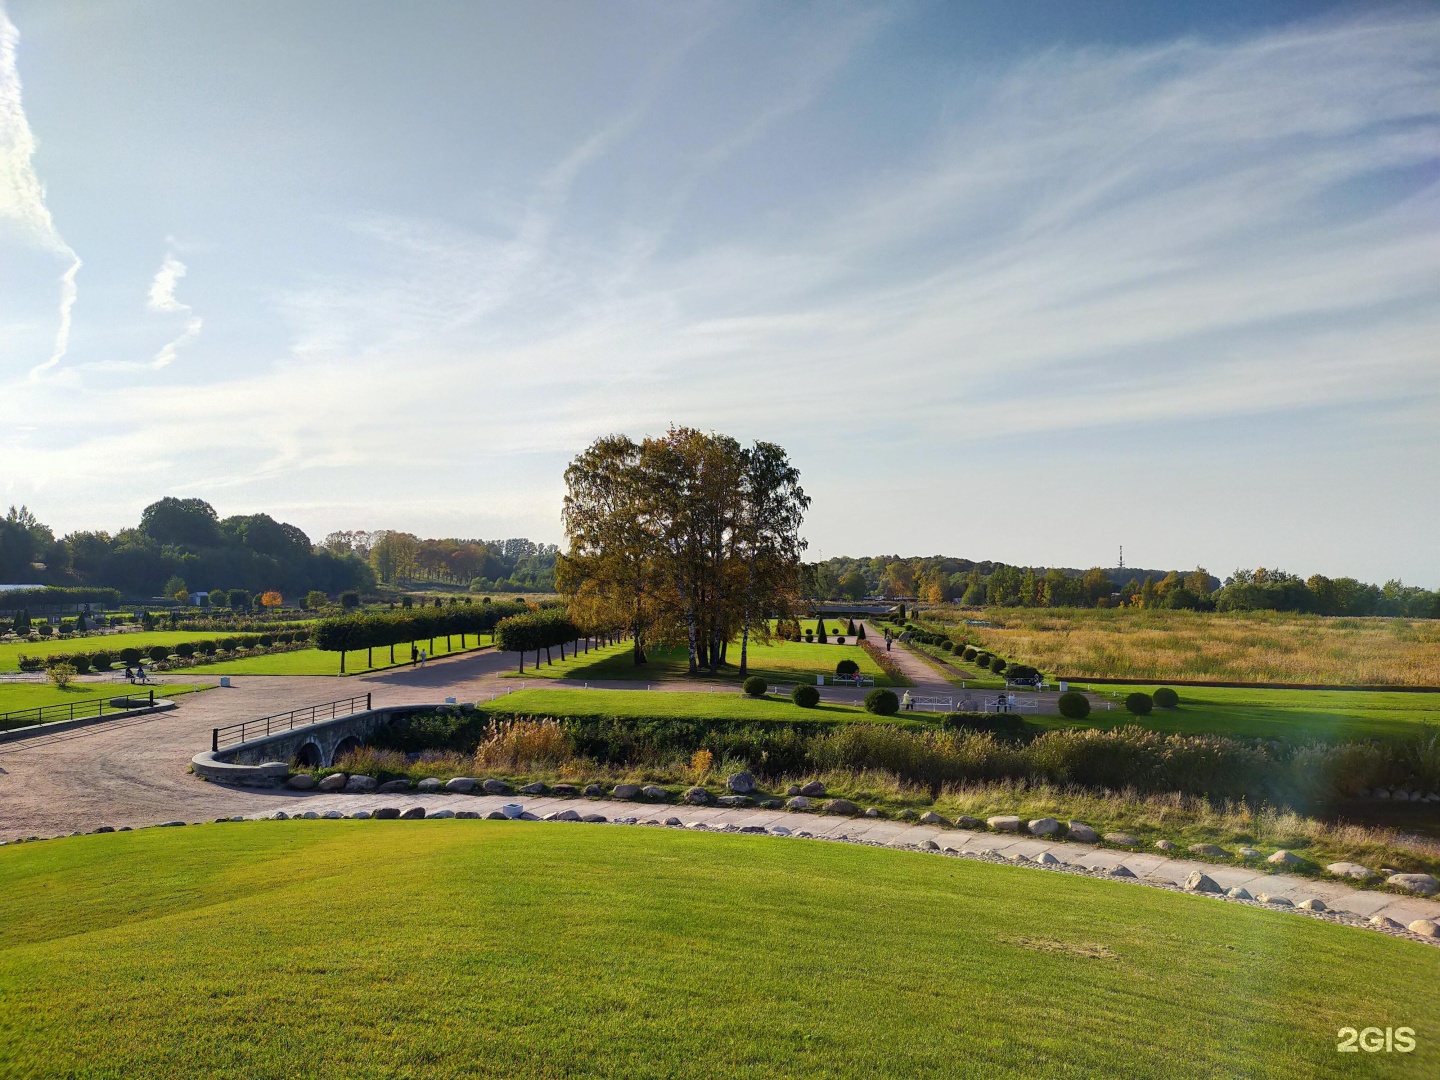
(1122, 556)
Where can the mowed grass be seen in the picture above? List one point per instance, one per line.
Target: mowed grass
(783, 662)
(10, 651)
(674, 704)
(15, 696)
(1263, 646)
(1258, 713)
(315, 662)
(511, 949)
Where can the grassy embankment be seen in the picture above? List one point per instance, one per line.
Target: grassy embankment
(783, 662)
(15, 696)
(443, 948)
(669, 705)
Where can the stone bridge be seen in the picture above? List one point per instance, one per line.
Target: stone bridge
(265, 761)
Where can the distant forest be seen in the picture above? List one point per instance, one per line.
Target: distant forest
(942, 580)
(182, 545)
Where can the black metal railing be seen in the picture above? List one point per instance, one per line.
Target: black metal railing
(246, 730)
(72, 710)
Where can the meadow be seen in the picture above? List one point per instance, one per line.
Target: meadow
(782, 662)
(1222, 646)
(512, 949)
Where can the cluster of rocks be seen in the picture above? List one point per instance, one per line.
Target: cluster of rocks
(1400, 794)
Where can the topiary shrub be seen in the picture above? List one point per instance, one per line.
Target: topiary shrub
(847, 667)
(1022, 673)
(1074, 705)
(267, 640)
(947, 644)
(80, 662)
(101, 661)
(1139, 704)
(970, 653)
(185, 650)
(130, 656)
(805, 695)
(209, 648)
(229, 644)
(860, 632)
(839, 641)
(982, 660)
(882, 702)
(158, 653)
(755, 686)
(1165, 698)
(998, 664)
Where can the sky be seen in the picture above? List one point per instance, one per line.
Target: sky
(1018, 282)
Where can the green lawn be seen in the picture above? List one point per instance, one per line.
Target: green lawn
(1255, 713)
(509, 949)
(782, 662)
(15, 696)
(112, 643)
(315, 662)
(679, 704)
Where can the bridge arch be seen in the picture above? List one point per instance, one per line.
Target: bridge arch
(310, 755)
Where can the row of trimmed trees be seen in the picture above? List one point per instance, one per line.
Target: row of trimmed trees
(350, 633)
(546, 629)
(686, 539)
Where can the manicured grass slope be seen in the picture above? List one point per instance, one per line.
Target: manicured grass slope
(15, 696)
(783, 662)
(112, 643)
(430, 949)
(689, 705)
(315, 662)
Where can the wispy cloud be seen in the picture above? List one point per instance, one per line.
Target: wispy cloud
(22, 195)
(162, 299)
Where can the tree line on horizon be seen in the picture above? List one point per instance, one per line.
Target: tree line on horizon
(945, 580)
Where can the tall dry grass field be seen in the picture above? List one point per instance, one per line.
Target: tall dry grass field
(1261, 646)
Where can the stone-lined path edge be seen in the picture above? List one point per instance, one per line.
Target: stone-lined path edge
(1343, 905)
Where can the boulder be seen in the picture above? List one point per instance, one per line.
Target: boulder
(561, 815)
(1121, 871)
(537, 788)
(495, 787)
(105, 829)
(843, 807)
(461, 785)
(1078, 830)
(1045, 826)
(1420, 884)
(734, 800)
(430, 785)
(170, 824)
(696, 796)
(965, 821)
(1198, 882)
(390, 787)
(1247, 853)
(332, 815)
(1046, 859)
(792, 789)
(626, 791)
(652, 791)
(673, 822)
(413, 813)
(358, 784)
(495, 815)
(771, 804)
(1380, 793)
(780, 830)
(593, 819)
(1400, 795)
(1276, 901)
(301, 782)
(1210, 851)
(1313, 903)
(387, 812)
(1350, 870)
(1425, 928)
(1004, 823)
(1383, 923)
(930, 845)
(1120, 839)
(742, 783)
(1239, 892)
(442, 814)
(1285, 858)
(467, 814)
(873, 811)
(360, 815)
(812, 789)
(333, 782)
(1164, 845)
(799, 802)
(594, 791)
(930, 817)
(565, 789)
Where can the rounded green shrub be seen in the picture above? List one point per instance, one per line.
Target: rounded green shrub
(805, 695)
(130, 656)
(80, 662)
(882, 702)
(207, 647)
(970, 653)
(1074, 705)
(101, 661)
(185, 650)
(755, 686)
(1138, 704)
(847, 667)
(982, 660)
(1022, 673)
(158, 653)
(998, 664)
(1166, 698)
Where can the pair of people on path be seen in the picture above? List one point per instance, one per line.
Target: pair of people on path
(417, 657)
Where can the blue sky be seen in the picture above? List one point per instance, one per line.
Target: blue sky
(1009, 281)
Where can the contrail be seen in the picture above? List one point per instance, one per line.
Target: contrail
(162, 298)
(22, 195)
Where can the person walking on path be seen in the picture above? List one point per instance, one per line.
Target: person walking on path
(906, 702)
(422, 658)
